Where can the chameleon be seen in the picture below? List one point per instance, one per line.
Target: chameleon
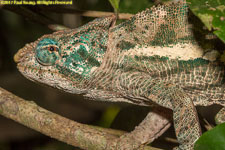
(152, 59)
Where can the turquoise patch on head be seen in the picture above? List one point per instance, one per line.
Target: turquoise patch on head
(47, 51)
(77, 61)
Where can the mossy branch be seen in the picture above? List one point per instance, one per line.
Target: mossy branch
(79, 135)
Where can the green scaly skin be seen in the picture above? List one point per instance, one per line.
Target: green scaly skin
(151, 59)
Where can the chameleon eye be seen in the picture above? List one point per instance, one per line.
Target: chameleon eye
(47, 52)
(52, 48)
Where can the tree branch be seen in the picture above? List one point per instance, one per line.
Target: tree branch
(55, 126)
(30, 14)
(87, 13)
(38, 14)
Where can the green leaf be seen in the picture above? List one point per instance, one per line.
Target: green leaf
(211, 13)
(214, 139)
(115, 4)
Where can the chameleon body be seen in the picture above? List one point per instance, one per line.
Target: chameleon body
(151, 59)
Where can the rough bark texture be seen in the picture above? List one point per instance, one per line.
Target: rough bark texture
(55, 126)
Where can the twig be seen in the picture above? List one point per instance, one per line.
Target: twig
(172, 140)
(36, 17)
(86, 13)
(52, 24)
(207, 125)
(57, 27)
(31, 15)
(55, 126)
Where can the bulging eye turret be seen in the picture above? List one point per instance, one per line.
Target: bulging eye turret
(47, 52)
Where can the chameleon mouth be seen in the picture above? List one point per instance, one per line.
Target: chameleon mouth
(52, 78)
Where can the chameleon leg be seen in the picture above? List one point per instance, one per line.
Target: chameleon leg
(220, 116)
(185, 118)
(155, 124)
(170, 96)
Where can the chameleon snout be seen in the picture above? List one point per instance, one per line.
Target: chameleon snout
(19, 56)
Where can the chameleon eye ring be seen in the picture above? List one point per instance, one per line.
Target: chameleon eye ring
(47, 51)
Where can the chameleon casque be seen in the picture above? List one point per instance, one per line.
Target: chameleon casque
(151, 59)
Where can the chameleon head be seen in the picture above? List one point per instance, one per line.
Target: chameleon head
(66, 59)
(42, 61)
